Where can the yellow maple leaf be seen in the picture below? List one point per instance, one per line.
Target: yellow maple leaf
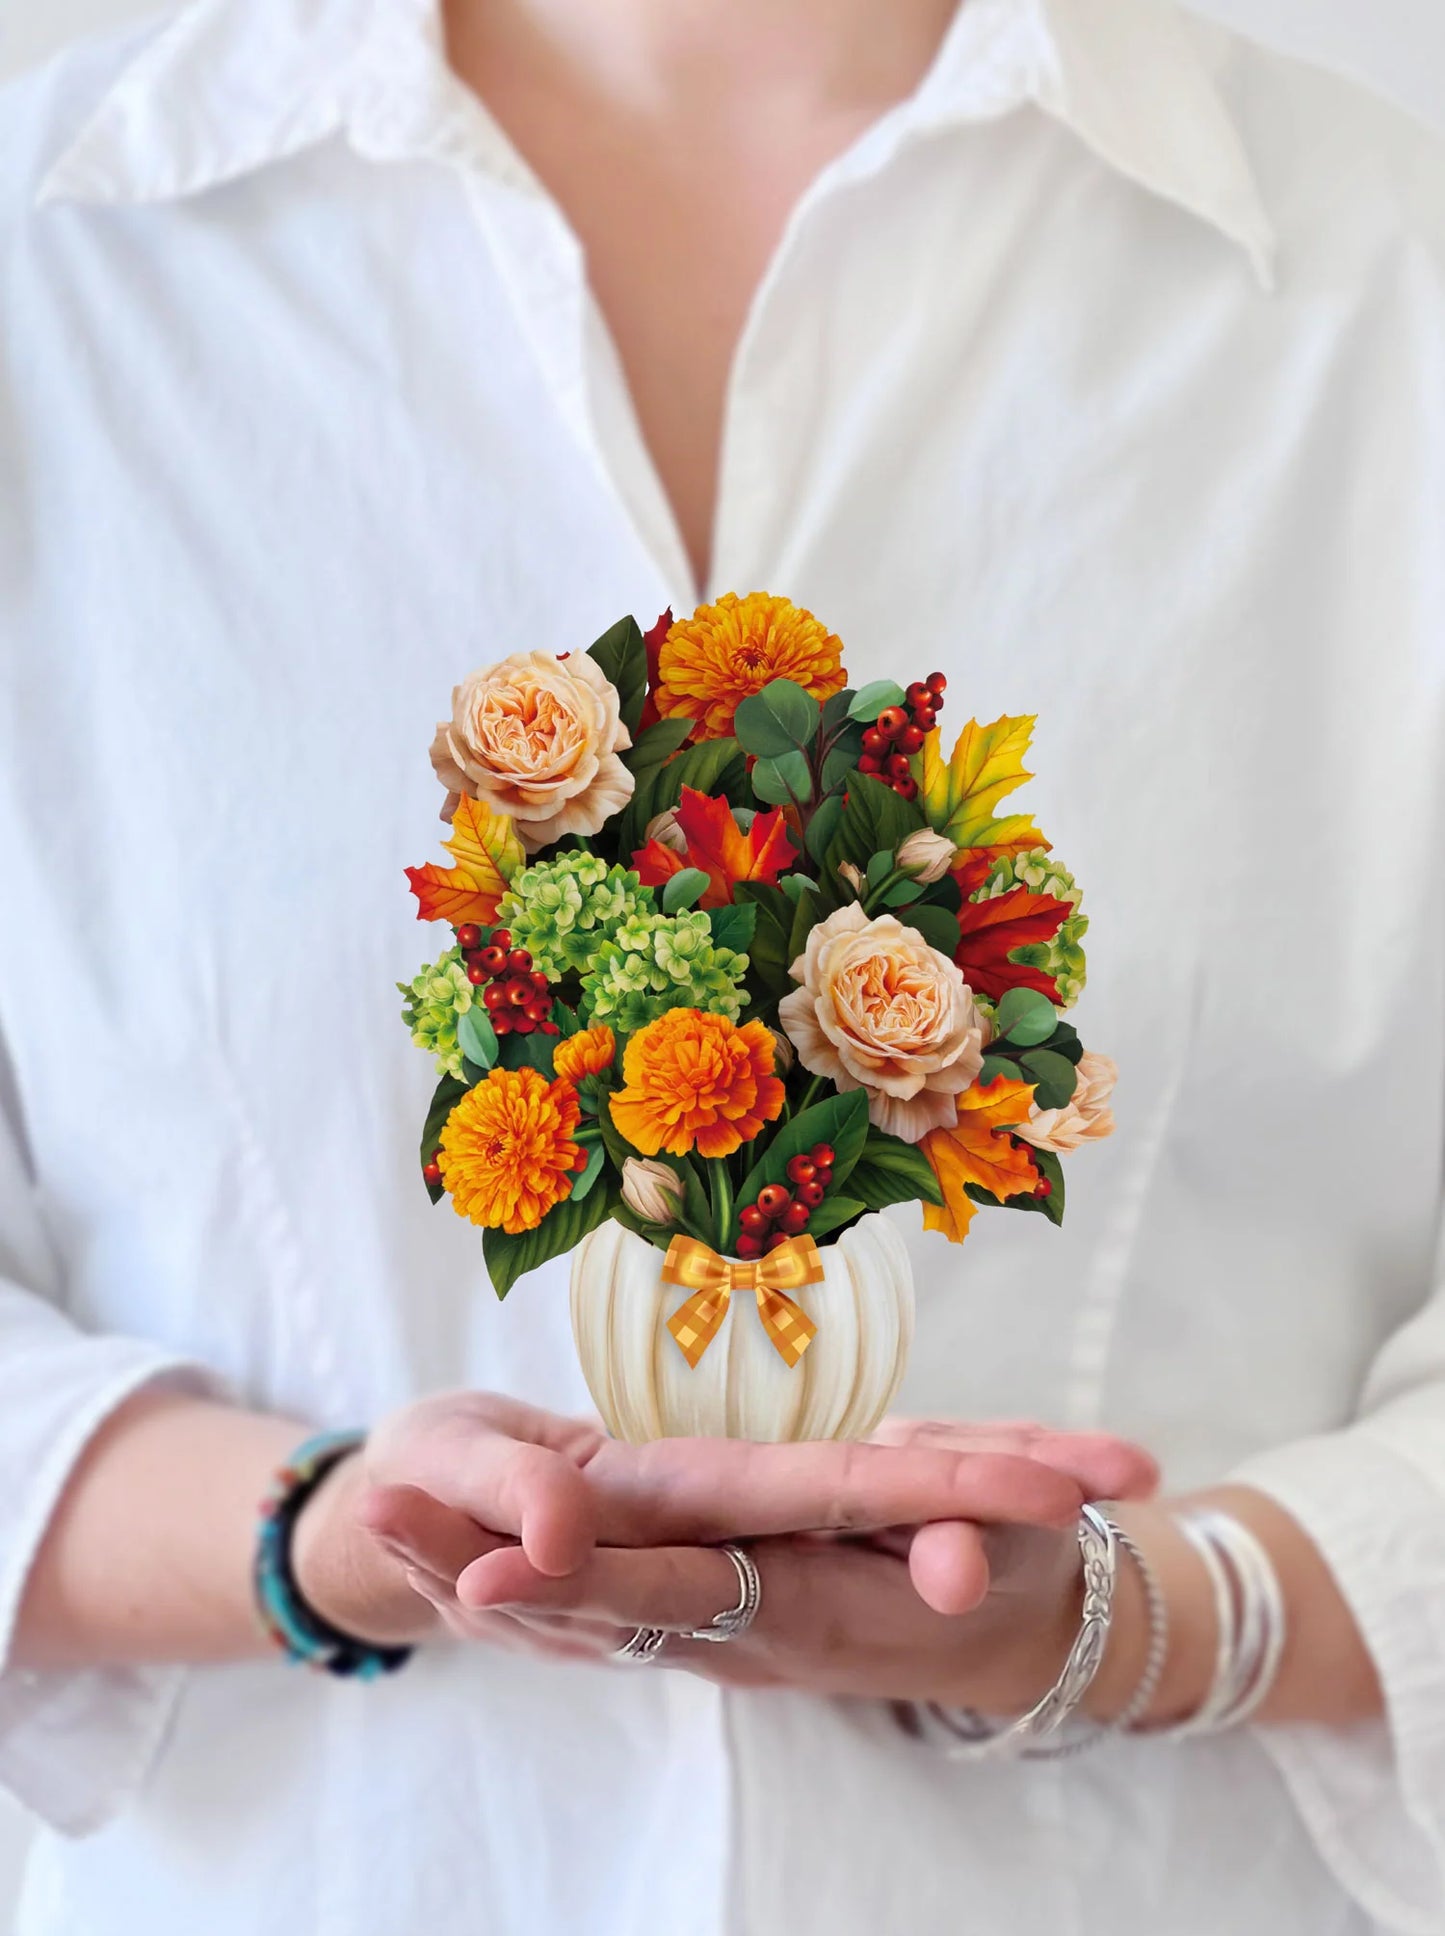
(979, 1150)
(487, 853)
(958, 796)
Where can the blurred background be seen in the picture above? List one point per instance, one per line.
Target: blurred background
(1396, 46)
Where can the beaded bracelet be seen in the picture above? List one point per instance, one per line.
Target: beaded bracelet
(296, 1628)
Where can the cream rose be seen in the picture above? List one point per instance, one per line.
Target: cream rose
(1085, 1118)
(880, 1010)
(537, 738)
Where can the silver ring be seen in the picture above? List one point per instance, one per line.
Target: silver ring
(643, 1646)
(736, 1620)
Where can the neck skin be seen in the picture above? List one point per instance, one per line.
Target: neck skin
(677, 136)
(840, 56)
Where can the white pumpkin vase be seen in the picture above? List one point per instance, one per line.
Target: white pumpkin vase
(741, 1388)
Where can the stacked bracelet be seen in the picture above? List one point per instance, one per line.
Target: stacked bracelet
(1250, 1618)
(294, 1626)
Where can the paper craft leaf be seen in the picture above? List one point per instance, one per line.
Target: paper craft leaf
(990, 930)
(959, 795)
(978, 1150)
(487, 853)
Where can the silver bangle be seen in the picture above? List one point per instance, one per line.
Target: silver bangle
(965, 1736)
(1250, 1609)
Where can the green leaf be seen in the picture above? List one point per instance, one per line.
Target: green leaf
(832, 1213)
(795, 886)
(996, 1065)
(938, 927)
(768, 953)
(1026, 1018)
(840, 1120)
(805, 919)
(901, 894)
(622, 655)
(561, 1230)
(476, 1037)
(880, 866)
(891, 1171)
(568, 1021)
(654, 747)
(445, 1097)
(875, 817)
(776, 720)
(835, 710)
(733, 925)
(871, 699)
(1054, 1077)
(823, 826)
(842, 758)
(1065, 1042)
(713, 766)
(684, 890)
(582, 1185)
(532, 1051)
(781, 780)
(1051, 1206)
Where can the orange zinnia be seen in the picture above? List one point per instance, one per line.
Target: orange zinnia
(697, 1081)
(587, 1054)
(711, 662)
(507, 1155)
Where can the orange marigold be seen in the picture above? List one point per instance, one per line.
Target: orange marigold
(697, 1081)
(711, 662)
(507, 1155)
(587, 1054)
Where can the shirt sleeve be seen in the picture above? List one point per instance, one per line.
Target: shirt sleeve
(72, 1744)
(1372, 1499)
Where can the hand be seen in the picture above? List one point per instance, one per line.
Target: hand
(387, 1548)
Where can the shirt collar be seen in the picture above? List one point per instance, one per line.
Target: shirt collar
(232, 85)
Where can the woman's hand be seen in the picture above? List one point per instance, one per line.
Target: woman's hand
(392, 1547)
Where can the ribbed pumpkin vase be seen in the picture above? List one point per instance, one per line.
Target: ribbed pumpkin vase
(644, 1387)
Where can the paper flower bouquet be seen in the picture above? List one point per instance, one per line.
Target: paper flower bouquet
(740, 959)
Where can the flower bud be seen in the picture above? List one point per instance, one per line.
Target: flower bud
(852, 875)
(663, 827)
(927, 855)
(651, 1190)
(784, 1054)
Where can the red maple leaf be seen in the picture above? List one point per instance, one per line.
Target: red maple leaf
(719, 846)
(990, 930)
(653, 641)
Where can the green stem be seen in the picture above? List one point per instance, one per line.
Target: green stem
(722, 1201)
(809, 1095)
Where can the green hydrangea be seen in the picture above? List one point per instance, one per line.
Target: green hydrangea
(434, 1000)
(655, 962)
(1063, 957)
(563, 910)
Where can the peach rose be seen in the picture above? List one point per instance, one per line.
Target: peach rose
(1085, 1118)
(880, 1010)
(537, 738)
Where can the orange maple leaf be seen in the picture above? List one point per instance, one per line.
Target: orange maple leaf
(979, 1150)
(719, 846)
(487, 852)
(988, 931)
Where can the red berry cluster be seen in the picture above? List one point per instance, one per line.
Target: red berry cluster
(518, 999)
(778, 1213)
(896, 735)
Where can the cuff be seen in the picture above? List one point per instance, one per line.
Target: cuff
(1373, 1797)
(73, 1743)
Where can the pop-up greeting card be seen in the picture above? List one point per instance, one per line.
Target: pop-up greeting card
(740, 960)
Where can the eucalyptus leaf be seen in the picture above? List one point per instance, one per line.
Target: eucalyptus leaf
(684, 890)
(1054, 1077)
(476, 1037)
(870, 700)
(622, 655)
(783, 779)
(835, 710)
(841, 761)
(776, 720)
(995, 1066)
(795, 886)
(1026, 1018)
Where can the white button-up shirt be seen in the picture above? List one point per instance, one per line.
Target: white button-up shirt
(1108, 374)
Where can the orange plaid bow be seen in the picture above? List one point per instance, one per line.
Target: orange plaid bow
(713, 1279)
